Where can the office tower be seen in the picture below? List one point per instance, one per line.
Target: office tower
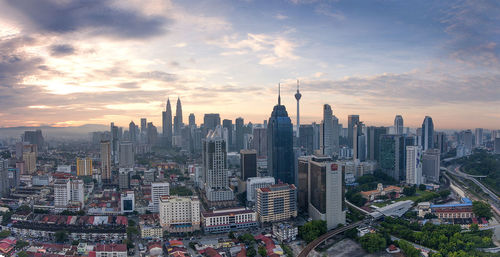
(62, 193)
(228, 125)
(414, 165)
(398, 125)
(127, 159)
(29, 159)
(373, 141)
(431, 161)
(158, 189)
(178, 118)
(336, 135)
(280, 145)
(467, 139)
(326, 132)
(152, 134)
(106, 161)
(303, 183)
(392, 156)
(239, 123)
(276, 203)
(248, 164)
(316, 136)
(257, 182)
(127, 200)
(478, 136)
(192, 120)
(441, 142)
(77, 191)
(35, 138)
(496, 145)
(359, 144)
(211, 121)
(124, 178)
(114, 143)
(297, 97)
(167, 124)
(84, 166)
(351, 121)
(132, 132)
(259, 141)
(326, 191)
(427, 133)
(216, 178)
(180, 214)
(306, 139)
(4, 182)
(144, 123)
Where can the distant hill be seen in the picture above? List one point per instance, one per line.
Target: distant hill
(50, 132)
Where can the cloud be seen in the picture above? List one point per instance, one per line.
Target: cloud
(280, 16)
(62, 50)
(97, 16)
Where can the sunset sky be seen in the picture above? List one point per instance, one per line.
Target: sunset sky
(75, 62)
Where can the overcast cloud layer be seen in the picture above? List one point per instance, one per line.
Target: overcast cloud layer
(74, 62)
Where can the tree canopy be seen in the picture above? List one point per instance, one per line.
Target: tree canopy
(312, 229)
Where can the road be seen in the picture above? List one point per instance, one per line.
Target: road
(327, 235)
(420, 247)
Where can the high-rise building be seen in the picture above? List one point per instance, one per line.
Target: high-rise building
(414, 165)
(373, 141)
(211, 121)
(351, 121)
(115, 143)
(179, 214)
(228, 125)
(359, 142)
(303, 183)
(178, 124)
(127, 159)
(398, 125)
(467, 139)
(167, 124)
(276, 203)
(326, 132)
(259, 142)
(239, 132)
(257, 182)
(158, 189)
(280, 154)
(192, 120)
(84, 166)
(132, 131)
(4, 182)
(127, 200)
(326, 192)
(478, 136)
(106, 161)
(144, 123)
(441, 142)
(29, 159)
(215, 177)
(248, 164)
(77, 192)
(35, 138)
(306, 139)
(496, 145)
(392, 156)
(124, 178)
(62, 193)
(298, 95)
(431, 161)
(427, 133)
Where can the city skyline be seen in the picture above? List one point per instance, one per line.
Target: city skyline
(71, 65)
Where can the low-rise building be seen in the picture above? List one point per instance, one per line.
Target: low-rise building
(180, 214)
(225, 220)
(285, 232)
(150, 226)
(111, 250)
(461, 210)
(382, 191)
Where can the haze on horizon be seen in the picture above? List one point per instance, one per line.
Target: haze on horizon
(75, 62)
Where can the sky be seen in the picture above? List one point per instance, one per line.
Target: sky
(75, 62)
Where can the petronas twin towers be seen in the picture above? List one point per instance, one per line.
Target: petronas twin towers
(167, 121)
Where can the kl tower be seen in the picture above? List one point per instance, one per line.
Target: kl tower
(298, 96)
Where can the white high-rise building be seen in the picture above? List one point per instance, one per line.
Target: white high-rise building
(215, 171)
(257, 182)
(414, 165)
(398, 125)
(179, 214)
(78, 191)
(62, 193)
(327, 140)
(158, 189)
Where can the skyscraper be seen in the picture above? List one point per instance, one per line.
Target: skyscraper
(306, 139)
(239, 123)
(215, 177)
(114, 142)
(106, 161)
(167, 124)
(259, 141)
(228, 125)
(127, 155)
(298, 95)
(144, 123)
(84, 166)
(414, 165)
(431, 161)
(211, 121)
(178, 118)
(326, 132)
(351, 121)
(192, 120)
(280, 154)
(398, 125)
(359, 142)
(427, 133)
(132, 132)
(478, 136)
(373, 141)
(248, 164)
(392, 156)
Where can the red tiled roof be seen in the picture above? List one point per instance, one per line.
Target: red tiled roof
(111, 248)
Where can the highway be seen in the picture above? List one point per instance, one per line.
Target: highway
(327, 235)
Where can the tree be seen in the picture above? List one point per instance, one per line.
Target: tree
(430, 216)
(4, 233)
(131, 223)
(21, 244)
(312, 229)
(231, 235)
(251, 252)
(444, 193)
(262, 251)
(288, 251)
(474, 227)
(351, 233)
(75, 242)
(61, 236)
(408, 249)
(482, 209)
(409, 191)
(192, 245)
(422, 187)
(23, 208)
(22, 254)
(247, 239)
(373, 242)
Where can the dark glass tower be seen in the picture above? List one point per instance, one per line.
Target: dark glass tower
(167, 124)
(280, 154)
